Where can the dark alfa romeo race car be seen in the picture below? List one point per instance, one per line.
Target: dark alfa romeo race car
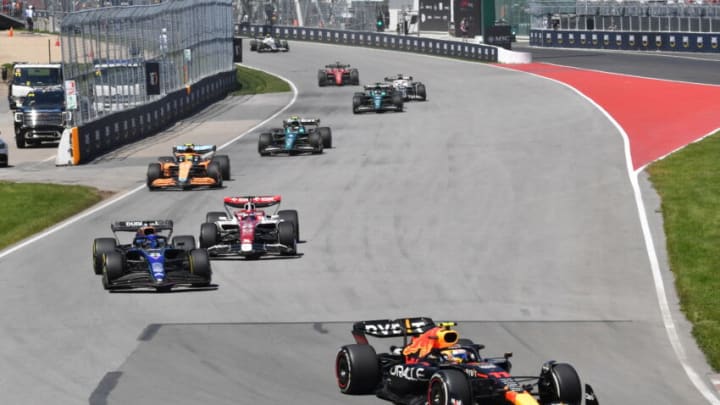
(409, 89)
(377, 97)
(433, 366)
(298, 135)
(338, 74)
(269, 44)
(245, 230)
(151, 260)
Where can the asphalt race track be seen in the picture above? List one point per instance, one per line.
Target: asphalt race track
(503, 202)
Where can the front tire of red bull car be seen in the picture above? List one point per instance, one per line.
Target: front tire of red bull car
(449, 387)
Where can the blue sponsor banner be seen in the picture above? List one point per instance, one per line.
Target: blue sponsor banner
(454, 49)
(632, 41)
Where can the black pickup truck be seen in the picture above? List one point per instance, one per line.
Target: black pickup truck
(41, 117)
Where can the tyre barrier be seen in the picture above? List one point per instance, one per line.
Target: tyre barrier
(626, 40)
(438, 47)
(108, 133)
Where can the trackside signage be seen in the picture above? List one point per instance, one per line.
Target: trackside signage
(467, 51)
(628, 40)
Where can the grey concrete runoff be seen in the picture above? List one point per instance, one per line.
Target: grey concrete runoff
(503, 202)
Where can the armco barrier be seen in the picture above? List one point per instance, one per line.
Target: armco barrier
(453, 49)
(109, 133)
(630, 41)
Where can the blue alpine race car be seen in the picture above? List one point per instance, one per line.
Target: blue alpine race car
(298, 135)
(151, 260)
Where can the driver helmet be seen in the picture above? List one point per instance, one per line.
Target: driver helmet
(189, 147)
(455, 355)
(294, 122)
(151, 242)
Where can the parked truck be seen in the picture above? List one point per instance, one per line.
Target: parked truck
(28, 76)
(41, 117)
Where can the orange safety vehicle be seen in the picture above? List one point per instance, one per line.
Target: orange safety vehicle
(190, 166)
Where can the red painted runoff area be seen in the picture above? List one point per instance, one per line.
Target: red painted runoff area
(659, 116)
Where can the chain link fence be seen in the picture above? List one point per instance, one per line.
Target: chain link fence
(335, 14)
(123, 57)
(614, 15)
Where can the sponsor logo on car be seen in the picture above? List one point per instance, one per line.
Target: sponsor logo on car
(408, 373)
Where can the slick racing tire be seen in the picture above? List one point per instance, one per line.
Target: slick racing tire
(421, 93)
(397, 101)
(354, 77)
(284, 44)
(215, 172)
(560, 383)
(184, 242)
(448, 387)
(215, 216)
(114, 268)
(208, 235)
(357, 369)
(326, 136)
(254, 45)
(154, 172)
(357, 101)
(316, 142)
(102, 246)
(291, 216)
(286, 236)
(264, 141)
(322, 78)
(224, 162)
(200, 266)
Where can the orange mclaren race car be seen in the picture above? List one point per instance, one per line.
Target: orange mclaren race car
(434, 366)
(190, 166)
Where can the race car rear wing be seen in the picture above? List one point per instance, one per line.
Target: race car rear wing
(385, 328)
(133, 226)
(398, 77)
(262, 201)
(378, 85)
(337, 65)
(304, 121)
(201, 149)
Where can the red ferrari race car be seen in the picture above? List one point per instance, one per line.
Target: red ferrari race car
(338, 74)
(249, 231)
(434, 366)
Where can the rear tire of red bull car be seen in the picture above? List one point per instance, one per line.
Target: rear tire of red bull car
(357, 369)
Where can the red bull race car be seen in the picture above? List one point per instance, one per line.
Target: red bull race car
(434, 366)
(152, 259)
(245, 230)
(338, 74)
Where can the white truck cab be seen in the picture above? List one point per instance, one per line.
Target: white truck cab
(26, 77)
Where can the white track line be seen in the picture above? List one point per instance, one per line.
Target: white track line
(667, 318)
(130, 192)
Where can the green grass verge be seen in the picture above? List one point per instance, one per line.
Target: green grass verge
(251, 81)
(28, 208)
(688, 183)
